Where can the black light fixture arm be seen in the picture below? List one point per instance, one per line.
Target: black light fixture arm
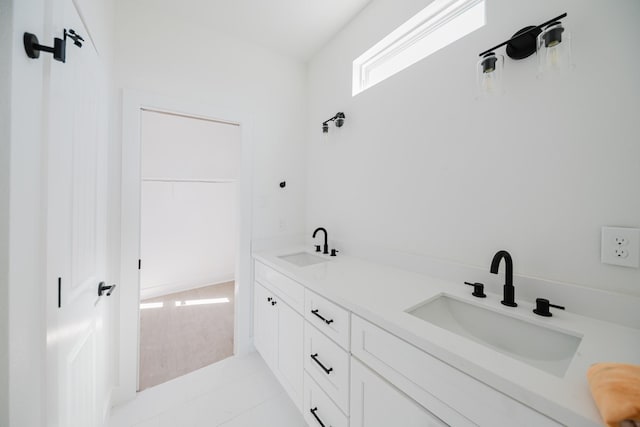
(530, 29)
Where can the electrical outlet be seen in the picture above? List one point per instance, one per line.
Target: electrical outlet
(621, 241)
(620, 246)
(621, 253)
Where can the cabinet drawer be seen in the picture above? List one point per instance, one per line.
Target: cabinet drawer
(376, 403)
(450, 394)
(289, 290)
(319, 408)
(328, 317)
(328, 364)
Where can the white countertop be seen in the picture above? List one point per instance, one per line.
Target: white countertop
(381, 294)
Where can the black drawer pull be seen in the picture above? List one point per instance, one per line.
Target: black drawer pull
(328, 322)
(315, 359)
(313, 412)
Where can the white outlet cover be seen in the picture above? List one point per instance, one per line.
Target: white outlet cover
(620, 246)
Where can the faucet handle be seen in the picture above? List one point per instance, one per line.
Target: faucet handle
(478, 289)
(542, 307)
(317, 248)
(334, 252)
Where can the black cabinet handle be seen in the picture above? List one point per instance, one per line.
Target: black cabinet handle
(313, 412)
(328, 322)
(315, 359)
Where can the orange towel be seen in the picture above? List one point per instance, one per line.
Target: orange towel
(615, 387)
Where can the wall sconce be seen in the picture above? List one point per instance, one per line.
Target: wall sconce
(490, 74)
(549, 39)
(338, 119)
(554, 49)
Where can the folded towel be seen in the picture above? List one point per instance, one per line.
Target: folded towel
(615, 387)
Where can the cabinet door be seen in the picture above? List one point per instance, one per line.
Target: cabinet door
(376, 403)
(289, 346)
(264, 323)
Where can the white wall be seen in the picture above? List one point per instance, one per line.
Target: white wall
(6, 27)
(189, 227)
(163, 55)
(183, 148)
(25, 242)
(421, 167)
(188, 236)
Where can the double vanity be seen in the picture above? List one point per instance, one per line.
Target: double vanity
(359, 344)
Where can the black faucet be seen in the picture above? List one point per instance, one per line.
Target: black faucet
(509, 291)
(326, 245)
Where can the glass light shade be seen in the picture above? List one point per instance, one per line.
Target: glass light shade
(554, 50)
(489, 75)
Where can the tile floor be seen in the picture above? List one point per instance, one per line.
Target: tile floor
(190, 330)
(236, 392)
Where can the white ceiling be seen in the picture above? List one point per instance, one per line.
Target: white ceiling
(298, 28)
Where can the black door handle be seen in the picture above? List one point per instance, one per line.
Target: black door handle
(102, 287)
(328, 322)
(315, 359)
(313, 412)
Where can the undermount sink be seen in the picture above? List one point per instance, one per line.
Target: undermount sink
(539, 346)
(302, 259)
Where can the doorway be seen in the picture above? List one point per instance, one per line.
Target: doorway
(146, 275)
(189, 172)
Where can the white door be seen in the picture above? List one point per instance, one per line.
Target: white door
(76, 230)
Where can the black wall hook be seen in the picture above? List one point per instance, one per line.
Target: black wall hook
(33, 47)
(77, 38)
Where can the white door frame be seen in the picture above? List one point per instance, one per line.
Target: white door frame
(133, 103)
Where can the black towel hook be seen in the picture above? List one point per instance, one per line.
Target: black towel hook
(33, 47)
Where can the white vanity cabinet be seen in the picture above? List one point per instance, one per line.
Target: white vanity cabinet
(342, 370)
(376, 403)
(455, 397)
(278, 336)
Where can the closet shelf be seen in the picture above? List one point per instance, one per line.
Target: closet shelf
(206, 181)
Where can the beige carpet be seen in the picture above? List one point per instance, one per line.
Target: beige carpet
(177, 339)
